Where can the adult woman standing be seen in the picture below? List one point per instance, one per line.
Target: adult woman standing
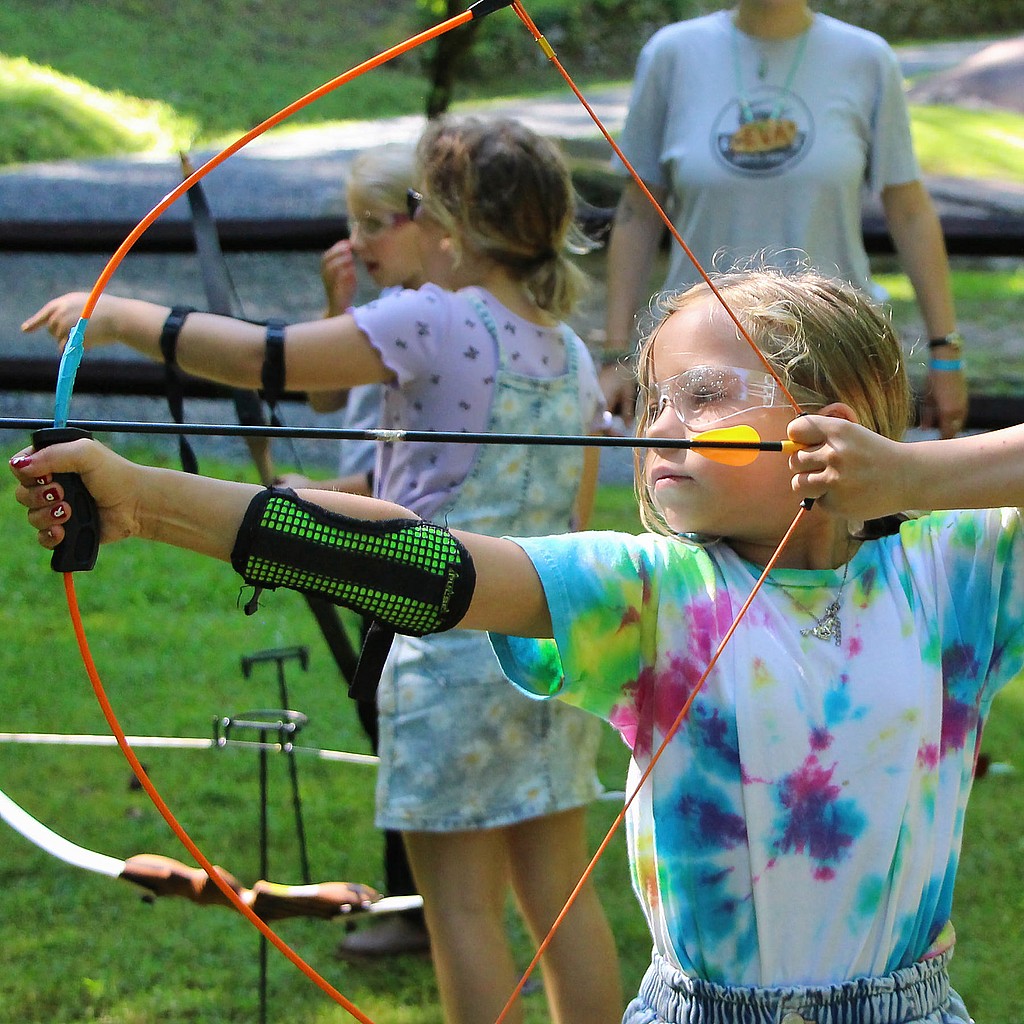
(760, 127)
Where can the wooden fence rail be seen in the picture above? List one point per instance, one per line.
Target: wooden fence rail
(966, 236)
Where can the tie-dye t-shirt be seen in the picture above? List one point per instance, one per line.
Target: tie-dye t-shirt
(804, 825)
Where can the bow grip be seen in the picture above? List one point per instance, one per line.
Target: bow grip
(78, 550)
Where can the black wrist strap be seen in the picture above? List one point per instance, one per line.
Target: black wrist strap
(172, 381)
(272, 375)
(954, 339)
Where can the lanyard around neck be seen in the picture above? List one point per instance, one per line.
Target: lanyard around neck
(745, 109)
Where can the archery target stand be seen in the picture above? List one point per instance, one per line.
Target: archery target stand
(270, 731)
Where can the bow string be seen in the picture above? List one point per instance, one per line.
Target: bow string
(221, 297)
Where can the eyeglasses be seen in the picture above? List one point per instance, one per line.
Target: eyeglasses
(372, 225)
(413, 202)
(705, 395)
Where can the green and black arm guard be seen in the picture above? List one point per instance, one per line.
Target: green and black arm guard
(411, 576)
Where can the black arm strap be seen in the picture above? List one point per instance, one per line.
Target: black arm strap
(172, 381)
(272, 376)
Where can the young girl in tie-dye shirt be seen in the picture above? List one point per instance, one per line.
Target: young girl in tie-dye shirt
(796, 843)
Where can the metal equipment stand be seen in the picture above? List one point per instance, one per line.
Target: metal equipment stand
(276, 731)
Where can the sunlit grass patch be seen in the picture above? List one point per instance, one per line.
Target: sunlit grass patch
(50, 116)
(967, 143)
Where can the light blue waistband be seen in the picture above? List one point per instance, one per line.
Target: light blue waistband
(913, 994)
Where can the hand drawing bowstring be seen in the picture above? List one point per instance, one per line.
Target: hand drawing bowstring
(65, 385)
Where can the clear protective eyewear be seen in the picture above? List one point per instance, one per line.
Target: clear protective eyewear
(705, 395)
(373, 225)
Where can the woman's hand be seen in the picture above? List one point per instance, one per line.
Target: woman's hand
(945, 402)
(114, 483)
(618, 382)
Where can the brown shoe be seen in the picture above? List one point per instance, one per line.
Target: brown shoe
(393, 936)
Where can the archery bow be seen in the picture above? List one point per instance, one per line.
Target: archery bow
(72, 356)
(72, 558)
(220, 298)
(219, 291)
(164, 876)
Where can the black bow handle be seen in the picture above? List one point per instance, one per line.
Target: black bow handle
(78, 550)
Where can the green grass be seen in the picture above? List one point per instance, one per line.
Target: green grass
(988, 304)
(225, 65)
(167, 637)
(79, 79)
(55, 117)
(960, 143)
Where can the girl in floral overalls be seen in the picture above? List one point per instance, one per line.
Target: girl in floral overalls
(488, 787)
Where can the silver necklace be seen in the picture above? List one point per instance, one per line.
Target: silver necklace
(828, 625)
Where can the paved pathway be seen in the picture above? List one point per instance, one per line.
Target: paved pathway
(299, 174)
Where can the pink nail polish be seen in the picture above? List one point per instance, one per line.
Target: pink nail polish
(19, 461)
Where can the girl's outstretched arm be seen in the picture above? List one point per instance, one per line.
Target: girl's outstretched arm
(856, 473)
(319, 355)
(204, 515)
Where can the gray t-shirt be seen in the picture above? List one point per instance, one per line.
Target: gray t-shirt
(766, 147)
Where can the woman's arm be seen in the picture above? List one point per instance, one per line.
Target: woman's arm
(319, 355)
(635, 236)
(636, 233)
(204, 515)
(917, 235)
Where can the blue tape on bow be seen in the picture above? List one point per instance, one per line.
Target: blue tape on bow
(67, 371)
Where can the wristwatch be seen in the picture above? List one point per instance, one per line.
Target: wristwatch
(954, 340)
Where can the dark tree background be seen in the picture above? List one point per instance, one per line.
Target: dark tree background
(601, 38)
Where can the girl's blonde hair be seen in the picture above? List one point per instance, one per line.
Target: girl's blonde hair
(383, 175)
(504, 192)
(816, 332)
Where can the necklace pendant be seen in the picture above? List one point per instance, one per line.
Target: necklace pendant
(828, 627)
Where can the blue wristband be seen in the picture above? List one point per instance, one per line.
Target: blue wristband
(948, 365)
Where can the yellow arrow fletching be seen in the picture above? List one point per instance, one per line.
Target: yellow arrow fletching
(740, 446)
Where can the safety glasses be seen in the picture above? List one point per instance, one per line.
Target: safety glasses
(705, 395)
(373, 225)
